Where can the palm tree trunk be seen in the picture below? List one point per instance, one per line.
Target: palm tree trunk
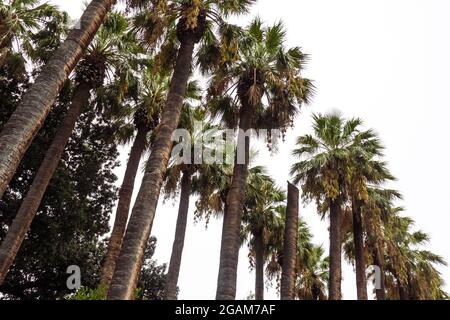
(379, 261)
(290, 244)
(21, 128)
(401, 288)
(230, 244)
(4, 55)
(225, 210)
(315, 293)
(140, 225)
(30, 205)
(5, 48)
(403, 291)
(178, 243)
(123, 207)
(334, 285)
(259, 266)
(360, 259)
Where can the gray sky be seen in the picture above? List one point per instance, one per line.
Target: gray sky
(384, 61)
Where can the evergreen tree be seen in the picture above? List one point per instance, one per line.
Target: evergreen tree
(74, 213)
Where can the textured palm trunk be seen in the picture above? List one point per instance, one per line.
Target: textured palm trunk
(379, 261)
(225, 211)
(4, 52)
(287, 291)
(5, 48)
(18, 229)
(178, 243)
(259, 266)
(21, 128)
(335, 275)
(230, 244)
(123, 207)
(139, 227)
(360, 259)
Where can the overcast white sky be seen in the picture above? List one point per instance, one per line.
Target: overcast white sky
(386, 61)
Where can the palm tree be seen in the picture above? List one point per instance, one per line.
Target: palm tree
(260, 219)
(173, 273)
(21, 128)
(365, 169)
(269, 88)
(310, 269)
(290, 244)
(19, 20)
(189, 120)
(110, 49)
(425, 281)
(193, 21)
(147, 94)
(312, 278)
(413, 269)
(324, 172)
(212, 187)
(376, 211)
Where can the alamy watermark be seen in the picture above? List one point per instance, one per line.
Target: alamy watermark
(74, 280)
(377, 274)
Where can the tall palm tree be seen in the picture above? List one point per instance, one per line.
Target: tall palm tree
(212, 188)
(269, 89)
(110, 49)
(376, 211)
(21, 128)
(173, 273)
(188, 171)
(260, 217)
(414, 269)
(393, 259)
(147, 95)
(193, 19)
(365, 169)
(324, 171)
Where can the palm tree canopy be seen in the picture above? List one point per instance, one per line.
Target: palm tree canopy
(29, 30)
(412, 265)
(113, 51)
(161, 22)
(19, 19)
(134, 100)
(252, 66)
(332, 157)
(261, 210)
(213, 185)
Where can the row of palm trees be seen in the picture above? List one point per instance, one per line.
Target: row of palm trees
(342, 169)
(137, 69)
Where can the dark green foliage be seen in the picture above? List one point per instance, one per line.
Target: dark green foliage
(153, 276)
(75, 211)
(151, 282)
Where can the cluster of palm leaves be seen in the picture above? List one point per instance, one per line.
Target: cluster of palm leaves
(138, 68)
